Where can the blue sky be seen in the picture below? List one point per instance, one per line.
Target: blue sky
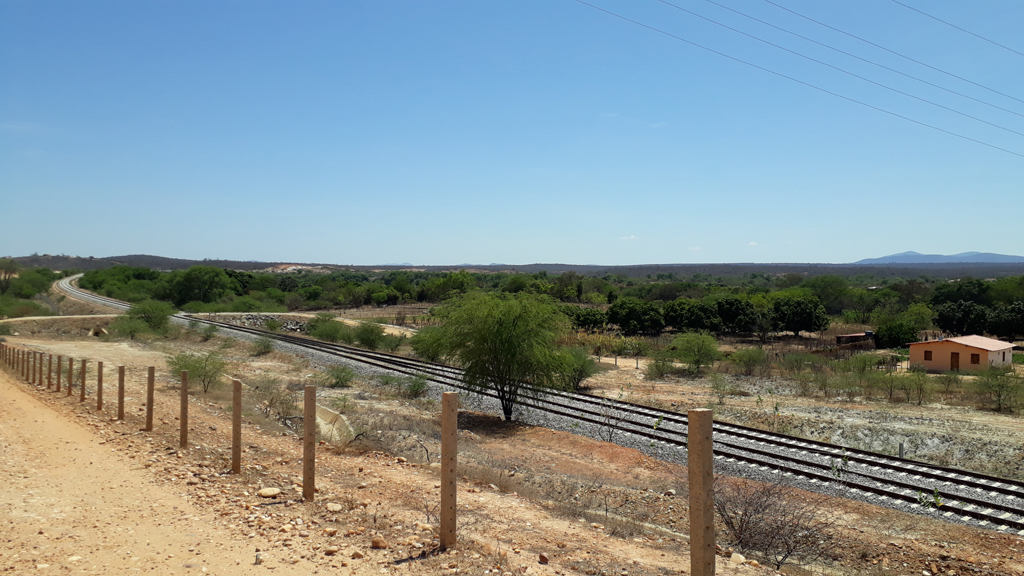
(502, 131)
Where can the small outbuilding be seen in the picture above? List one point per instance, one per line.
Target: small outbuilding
(961, 354)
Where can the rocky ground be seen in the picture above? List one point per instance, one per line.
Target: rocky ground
(81, 493)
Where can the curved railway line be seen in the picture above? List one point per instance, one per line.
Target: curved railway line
(965, 496)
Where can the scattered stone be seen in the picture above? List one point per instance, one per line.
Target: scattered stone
(332, 550)
(378, 543)
(561, 544)
(737, 558)
(334, 507)
(268, 492)
(356, 554)
(542, 558)
(330, 531)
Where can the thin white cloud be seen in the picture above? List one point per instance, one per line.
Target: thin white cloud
(753, 244)
(22, 127)
(630, 237)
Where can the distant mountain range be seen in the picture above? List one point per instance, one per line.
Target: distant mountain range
(965, 257)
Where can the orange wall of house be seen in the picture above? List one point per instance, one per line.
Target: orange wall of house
(941, 353)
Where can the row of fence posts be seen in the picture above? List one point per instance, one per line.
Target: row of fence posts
(28, 365)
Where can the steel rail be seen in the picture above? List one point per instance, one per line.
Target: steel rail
(965, 506)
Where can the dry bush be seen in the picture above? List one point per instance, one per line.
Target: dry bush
(776, 521)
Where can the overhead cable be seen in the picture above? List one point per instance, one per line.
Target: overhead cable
(879, 46)
(873, 63)
(798, 81)
(838, 69)
(950, 24)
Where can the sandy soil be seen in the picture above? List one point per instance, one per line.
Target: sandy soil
(81, 491)
(75, 484)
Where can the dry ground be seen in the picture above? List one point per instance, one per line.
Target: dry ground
(519, 497)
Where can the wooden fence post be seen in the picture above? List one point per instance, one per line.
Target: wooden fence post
(49, 373)
(120, 393)
(183, 418)
(449, 465)
(700, 468)
(99, 385)
(81, 377)
(71, 374)
(150, 384)
(60, 361)
(309, 445)
(236, 427)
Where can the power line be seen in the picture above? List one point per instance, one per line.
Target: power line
(879, 46)
(851, 55)
(990, 41)
(798, 81)
(837, 68)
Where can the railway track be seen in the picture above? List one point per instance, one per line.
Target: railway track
(937, 491)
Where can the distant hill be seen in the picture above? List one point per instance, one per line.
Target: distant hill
(882, 269)
(965, 257)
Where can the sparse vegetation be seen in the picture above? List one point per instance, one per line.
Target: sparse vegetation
(262, 346)
(205, 369)
(775, 522)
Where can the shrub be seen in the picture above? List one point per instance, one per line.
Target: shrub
(5, 329)
(579, 367)
(391, 342)
(274, 399)
(155, 314)
(749, 359)
(203, 368)
(896, 334)
(773, 520)
(272, 324)
(129, 328)
(370, 335)
(208, 332)
(696, 349)
(337, 376)
(1002, 388)
(427, 347)
(634, 316)
(329, 331)
(262, 346)
(407, 387)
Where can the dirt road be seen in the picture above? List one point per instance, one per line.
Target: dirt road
(70, 504)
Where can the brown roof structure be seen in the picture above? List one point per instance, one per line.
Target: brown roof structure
(974, 341)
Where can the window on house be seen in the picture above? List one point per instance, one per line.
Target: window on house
(1004, 355)
(975, 358)
(927, 354)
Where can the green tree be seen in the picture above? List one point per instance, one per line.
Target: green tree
(962, 318)
(799, 314)
(634, 316)
(690, 314)
(736, 314)
(696, 349)
(8, 272)
(585, 318)
(896, 334)
(505, 343)
(155, 314)
(1007, 322)
(201, 284)
(832, 291)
